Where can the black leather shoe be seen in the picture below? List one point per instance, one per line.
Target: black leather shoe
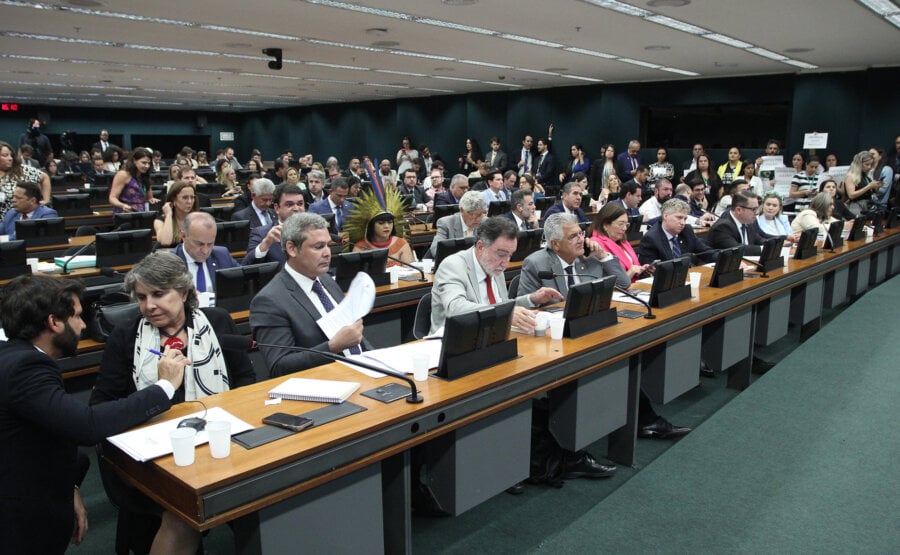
(582, 465)
(706, 371)
(517, 489)
(663, 429)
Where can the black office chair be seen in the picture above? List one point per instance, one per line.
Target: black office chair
(422, 323)
(513, 287)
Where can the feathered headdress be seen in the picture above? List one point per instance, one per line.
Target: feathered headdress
(366, 207)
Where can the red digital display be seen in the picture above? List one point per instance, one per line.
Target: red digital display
(7, 107)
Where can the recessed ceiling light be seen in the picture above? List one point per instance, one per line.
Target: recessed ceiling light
(459, 2)
(727, 40)
(657, 47)
(385, 44)
(84, 3)
(676, 24)
(556, 69)
(798, 50)
(238, 44)
(668, 3)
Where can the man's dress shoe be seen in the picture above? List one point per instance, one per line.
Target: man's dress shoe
(582, 465)
(662, 429)
(517, 489)
(706, 371)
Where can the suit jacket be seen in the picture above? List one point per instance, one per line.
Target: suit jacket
(629, 211)
(219, 259)
(249, 213)
(282, 314)
(8, 227)
(623, 165)
(456, 289)
(517, 157)
(545, 171)
(546, 259)
(323, 207)
(99, 146)
(512, 218)
(724, 234)
(418, 193)
(274, 254)
(558, 207)
(655, 246)
(448, 227)
(40, 428)
(445, 198)
(500, 159)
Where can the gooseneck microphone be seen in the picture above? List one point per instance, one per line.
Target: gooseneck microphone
(407, 264)
(233, 342)
(65, 268)
(547, 274)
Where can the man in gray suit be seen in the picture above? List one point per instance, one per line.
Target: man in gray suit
(565, 255)
(472, 209)
(285, 312)
(472, 278)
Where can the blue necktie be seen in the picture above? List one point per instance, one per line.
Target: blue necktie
(201, 278)
(744, 233)
(676, 249)
(571, 277)
(329, 306)
(338, 218)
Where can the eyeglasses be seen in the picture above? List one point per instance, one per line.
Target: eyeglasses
(577, 235)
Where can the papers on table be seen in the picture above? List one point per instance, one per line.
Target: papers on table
(358, 302)
(399, 358)
(622, 298)
(75, 262)
(151, 442)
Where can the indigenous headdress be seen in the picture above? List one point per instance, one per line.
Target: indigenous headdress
(367, 207)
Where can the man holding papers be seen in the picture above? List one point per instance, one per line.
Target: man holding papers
(287, 310)
(41, 425)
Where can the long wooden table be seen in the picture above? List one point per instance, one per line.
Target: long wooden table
(354, 471)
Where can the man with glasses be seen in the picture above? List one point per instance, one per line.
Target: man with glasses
(738, 226)
(336, 203)
(570, 203)
(265, 241)
(472, 209)
(459, 186)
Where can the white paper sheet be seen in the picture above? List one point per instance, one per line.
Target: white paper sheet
(357, 303)
(399, 358)
(771, 162)
(783, 178)
(815, 140)
(640, 293)
(838, 173)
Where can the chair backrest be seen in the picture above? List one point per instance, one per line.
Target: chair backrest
(513, 288)
(422, 323)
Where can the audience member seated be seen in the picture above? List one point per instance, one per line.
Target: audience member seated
(228, 177)
(738, 226)
(527, 182)
(111, 159)
(673, 238)
(651, 210)
(459, 185)
(631, 199)
(709, 177)
(859, 188)
(315, 187)
(724, 203)
(494, 191)
(371, 226)
(259, 212)
(130, 190)
(609, 230)
(265, 240)
(818, 215)
(522, 211)
(181, 200)
(335, 203)
(410, 186)
(570, 203)
(200, 253)
(771, 222)
(841, 212)
(26, 205)
(12, 172)
(471, 211)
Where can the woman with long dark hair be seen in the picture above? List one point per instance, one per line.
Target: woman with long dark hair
(130, 190)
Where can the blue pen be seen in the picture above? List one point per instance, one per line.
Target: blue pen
(155, 352)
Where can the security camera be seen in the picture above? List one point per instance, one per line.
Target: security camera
(275, 53)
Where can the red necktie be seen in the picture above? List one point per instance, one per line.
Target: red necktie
(24, 217)
(490, 290)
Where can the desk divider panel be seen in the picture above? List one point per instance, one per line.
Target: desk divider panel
(726, 341)
(806, 302)
(772, 319)
(879, 267)
(895, 260)
(858, 282)
(835, 287)
(587, 409)
(672, 368)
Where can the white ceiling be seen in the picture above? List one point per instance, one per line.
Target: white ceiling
(206, 54)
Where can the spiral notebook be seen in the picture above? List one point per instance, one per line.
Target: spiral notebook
(322, 391)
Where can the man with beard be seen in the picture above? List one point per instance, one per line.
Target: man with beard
(41, 425)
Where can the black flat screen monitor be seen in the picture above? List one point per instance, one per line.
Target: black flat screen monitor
(127, 221)
(409, 202)
(480, 339)
(373, 262)
(544, 203)
(893, 218)
(213, 190)
(770, 258)
(588, 307)
(833, 239)
(728, 267)
(75, 180)
(99, 195)
(442, 210)
(669, 282)
(13, 259)
(96, 296)
(878, 222)
(120, 248)
(72, 205)
(57, 183)
(234, 236)
(222, 213)
(450, 246)
(806, 245)
(158, 178)
(235, 287)
(528, 242)
(42, 232)
(858, 229)
(103, 179)
(634, 232)
(498, 207)
(243, 175)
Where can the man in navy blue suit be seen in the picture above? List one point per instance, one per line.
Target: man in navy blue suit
(26, 205)
(459, 185)
(673, 238)
(631, 198)
(545, 165)
(570, 203)
(265, 240)
(628, 161)
(200, 253)
(522, 210)
(335, 203)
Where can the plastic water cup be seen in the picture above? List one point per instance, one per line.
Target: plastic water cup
(219, 438)
(183, 445)
(427, 265)
(421, 363)
(4, 238)
(557, 325)
(33, 262)
(540, 324)
(395, 275)
(695, 280)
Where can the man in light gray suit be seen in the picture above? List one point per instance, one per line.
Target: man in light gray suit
(564, 255)
(473, 278)
(472, 209)
(286, 310)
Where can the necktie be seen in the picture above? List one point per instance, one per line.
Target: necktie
(571, 278)
(744, 233)
(201, 278)
(266, 219)
(524, 225)
(490, 290)
(493, 158)
(329, 306)
(633, 163)
(676, 249)
(338, 218)
(24, 217)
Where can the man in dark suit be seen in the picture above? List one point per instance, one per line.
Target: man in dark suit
(545, 166)
(570, 203)
(628, 161)
(673, 238)
(522, 211)
(641, 177)
(41, 425)
(496, 158)
(265, 241)
(631, 199)
(285, 312)
(522, 161)
(259, 212)
(26, 205)
(200, 253)
(738, 226)
(459, 185)
(103, 144)
(409, 185)
(335, 203)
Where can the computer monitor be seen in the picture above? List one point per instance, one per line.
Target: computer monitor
(543, 203)
(13, 259)
(57, 183)
(42, 232)
(893, 218)
(833, 239)
(441, 210)
(72, 205)
(588, 307)
(878, 222)
(235, 287)
(73, 180)
(528, 242)
(806, 245)
(126, 221)
(96, 296)
(234, 236)
(99, 195)
(858, 229)
(220, 213)
(158, 178)
(213, 190)
(728, 267)
(669, 282)
(450, 246)
(409, 202)
(770, 258)
(103, 179)
(634, 232)
(497, 207)
(347, 265)
(480, 339)
(243, 175)
(120, 248)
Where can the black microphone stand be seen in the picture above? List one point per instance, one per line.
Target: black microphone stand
(65, 268)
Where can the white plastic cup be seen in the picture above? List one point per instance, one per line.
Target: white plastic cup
(427, 265)
(183, 445)
(219, 438)
(395, 275)
(33, 262)
(695, 280)
(557, 325)
(540, 324)
(421, 363)
(4, 238)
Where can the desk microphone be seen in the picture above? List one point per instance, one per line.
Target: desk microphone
(407, 264)
(233, 342)
(65, 268)
(547, 274)
(110, 272)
